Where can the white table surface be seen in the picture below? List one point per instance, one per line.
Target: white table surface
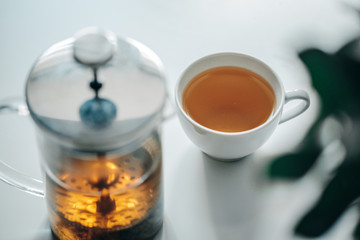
(204, 199)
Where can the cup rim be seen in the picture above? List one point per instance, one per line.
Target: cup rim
(271, 118)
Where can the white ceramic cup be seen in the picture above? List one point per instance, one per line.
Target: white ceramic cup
(229, 146)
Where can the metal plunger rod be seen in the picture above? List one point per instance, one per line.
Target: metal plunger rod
(95, 84)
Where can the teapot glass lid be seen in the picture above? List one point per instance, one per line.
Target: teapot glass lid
(96, 88)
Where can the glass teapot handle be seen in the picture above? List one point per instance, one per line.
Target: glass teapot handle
(169, 110)
(8, 174)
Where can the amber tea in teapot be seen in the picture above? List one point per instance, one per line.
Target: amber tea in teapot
(110, 195)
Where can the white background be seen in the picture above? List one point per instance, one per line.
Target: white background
(204, 199)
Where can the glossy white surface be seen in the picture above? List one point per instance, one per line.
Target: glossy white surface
(204, 199)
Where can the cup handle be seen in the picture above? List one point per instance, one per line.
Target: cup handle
(298, 108)
(8, 174)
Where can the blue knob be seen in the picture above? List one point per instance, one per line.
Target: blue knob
(98, 113)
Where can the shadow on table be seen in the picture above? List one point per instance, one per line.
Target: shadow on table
(232, 197)
(44, 233)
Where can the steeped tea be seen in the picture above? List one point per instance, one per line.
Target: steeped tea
(108, 196)
(229, 99)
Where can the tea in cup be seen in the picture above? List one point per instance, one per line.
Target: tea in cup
(229, 104)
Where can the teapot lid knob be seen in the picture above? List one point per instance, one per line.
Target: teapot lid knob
(93, 46)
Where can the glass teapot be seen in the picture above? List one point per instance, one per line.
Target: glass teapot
(97, 101)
